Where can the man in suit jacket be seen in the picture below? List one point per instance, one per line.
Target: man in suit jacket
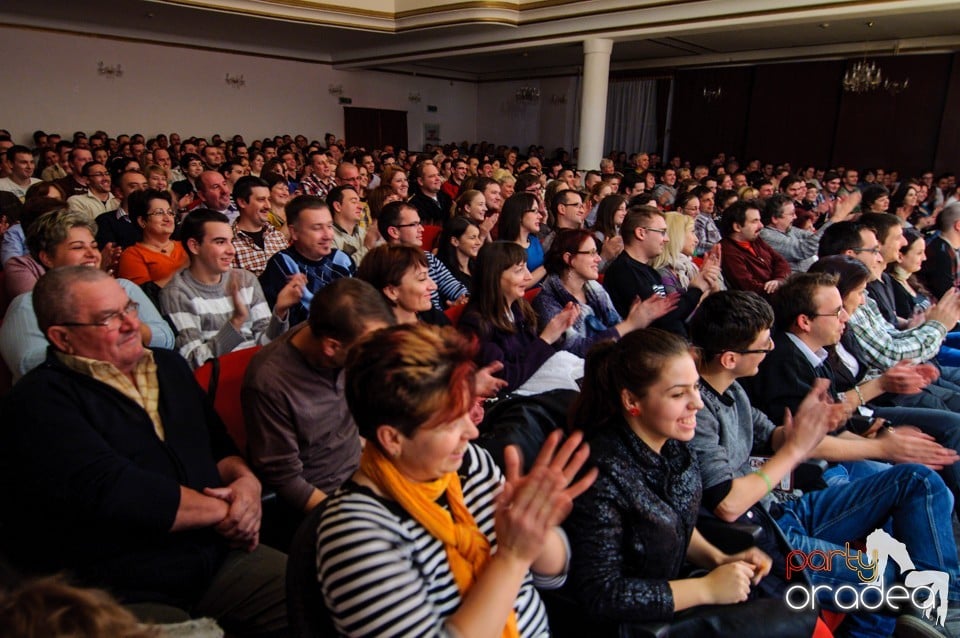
(810, 316)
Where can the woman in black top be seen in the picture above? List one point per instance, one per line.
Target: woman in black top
(633, 530)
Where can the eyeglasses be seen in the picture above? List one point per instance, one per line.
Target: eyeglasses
(410, 225)
(662, 231)
(875, 250)
(766, 350)
(112, 321)
(591, 252)
(164, 213)
(839, 311)
(577, 204)
(532, 210)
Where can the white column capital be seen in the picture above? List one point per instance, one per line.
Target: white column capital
(597, 45)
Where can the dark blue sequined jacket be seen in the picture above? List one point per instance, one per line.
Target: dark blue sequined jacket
(629, 533)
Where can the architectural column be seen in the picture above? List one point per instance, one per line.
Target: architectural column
(593, 101)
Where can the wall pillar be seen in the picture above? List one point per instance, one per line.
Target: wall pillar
(593, 102)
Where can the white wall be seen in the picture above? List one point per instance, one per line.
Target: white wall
(49, 81)
(504, 120)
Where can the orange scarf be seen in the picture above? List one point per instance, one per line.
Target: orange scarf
(467, 548)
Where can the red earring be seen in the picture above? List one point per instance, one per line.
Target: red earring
(633, 411)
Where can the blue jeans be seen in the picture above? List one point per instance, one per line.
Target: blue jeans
(942, 425)
(949, 354)
(920, 506)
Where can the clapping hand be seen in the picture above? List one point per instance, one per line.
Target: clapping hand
(533, 503)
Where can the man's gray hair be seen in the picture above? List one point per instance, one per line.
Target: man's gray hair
(53, 296)
(949, 216)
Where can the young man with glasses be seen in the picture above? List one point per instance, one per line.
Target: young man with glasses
(98, 199)
(881, 345)
(568, 213)
(732, 329)
(630, 275)
(811, 315)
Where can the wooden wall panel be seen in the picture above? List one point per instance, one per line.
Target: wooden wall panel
(895, 131)
(793, 113)
(798, 112)
(701, 128)
(948, 147)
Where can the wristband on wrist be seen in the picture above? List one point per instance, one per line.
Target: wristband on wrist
(766, 479)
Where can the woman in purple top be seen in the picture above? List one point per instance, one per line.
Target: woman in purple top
(501, 318)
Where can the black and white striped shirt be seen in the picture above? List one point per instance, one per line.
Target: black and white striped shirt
(383, 574)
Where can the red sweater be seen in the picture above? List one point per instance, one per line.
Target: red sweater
(743, 270)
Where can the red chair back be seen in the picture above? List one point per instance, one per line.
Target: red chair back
(454, 312)
(430, 236)
(532, 293)
(221, 379)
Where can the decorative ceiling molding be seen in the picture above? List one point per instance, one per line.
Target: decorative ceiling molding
(491, 40)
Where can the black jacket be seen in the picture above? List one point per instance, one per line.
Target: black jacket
(91, 488)
(630, 531)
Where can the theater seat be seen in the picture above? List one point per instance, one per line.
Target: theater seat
(430, 235)
(306, 611)
(221, 379)
(454, 313)
(531, 294)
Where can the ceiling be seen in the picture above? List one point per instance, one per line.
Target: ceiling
(496, 40)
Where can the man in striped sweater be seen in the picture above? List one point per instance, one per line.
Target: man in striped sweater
(214, 308)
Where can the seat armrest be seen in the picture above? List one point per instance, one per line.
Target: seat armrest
(730, 538)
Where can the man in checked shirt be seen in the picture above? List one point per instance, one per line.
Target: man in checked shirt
(254, 239)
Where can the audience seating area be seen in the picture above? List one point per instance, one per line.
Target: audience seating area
(705, 189)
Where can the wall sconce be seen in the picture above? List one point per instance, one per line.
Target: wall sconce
(235, 81)
(335, 89)
(414, 97)
(712, 95)
(893, 87)
(109, 71)
(557, 100)
(527, 94)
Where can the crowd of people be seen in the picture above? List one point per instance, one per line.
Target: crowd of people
(712, 325)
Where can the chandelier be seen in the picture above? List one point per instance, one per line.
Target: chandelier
(862, 77)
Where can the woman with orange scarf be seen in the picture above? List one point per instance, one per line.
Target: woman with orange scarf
(428, 538)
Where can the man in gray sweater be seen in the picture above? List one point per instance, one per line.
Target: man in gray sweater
(214, 308)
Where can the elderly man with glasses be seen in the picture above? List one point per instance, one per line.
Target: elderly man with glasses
(117, 469)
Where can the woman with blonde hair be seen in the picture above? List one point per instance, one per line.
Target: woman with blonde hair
(675, 264)
(508, 182)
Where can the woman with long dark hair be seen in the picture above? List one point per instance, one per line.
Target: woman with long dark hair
(460, 242)
(502, 319)
(520, 222)
(632, 532)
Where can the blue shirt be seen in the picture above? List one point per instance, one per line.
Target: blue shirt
(534, 254)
